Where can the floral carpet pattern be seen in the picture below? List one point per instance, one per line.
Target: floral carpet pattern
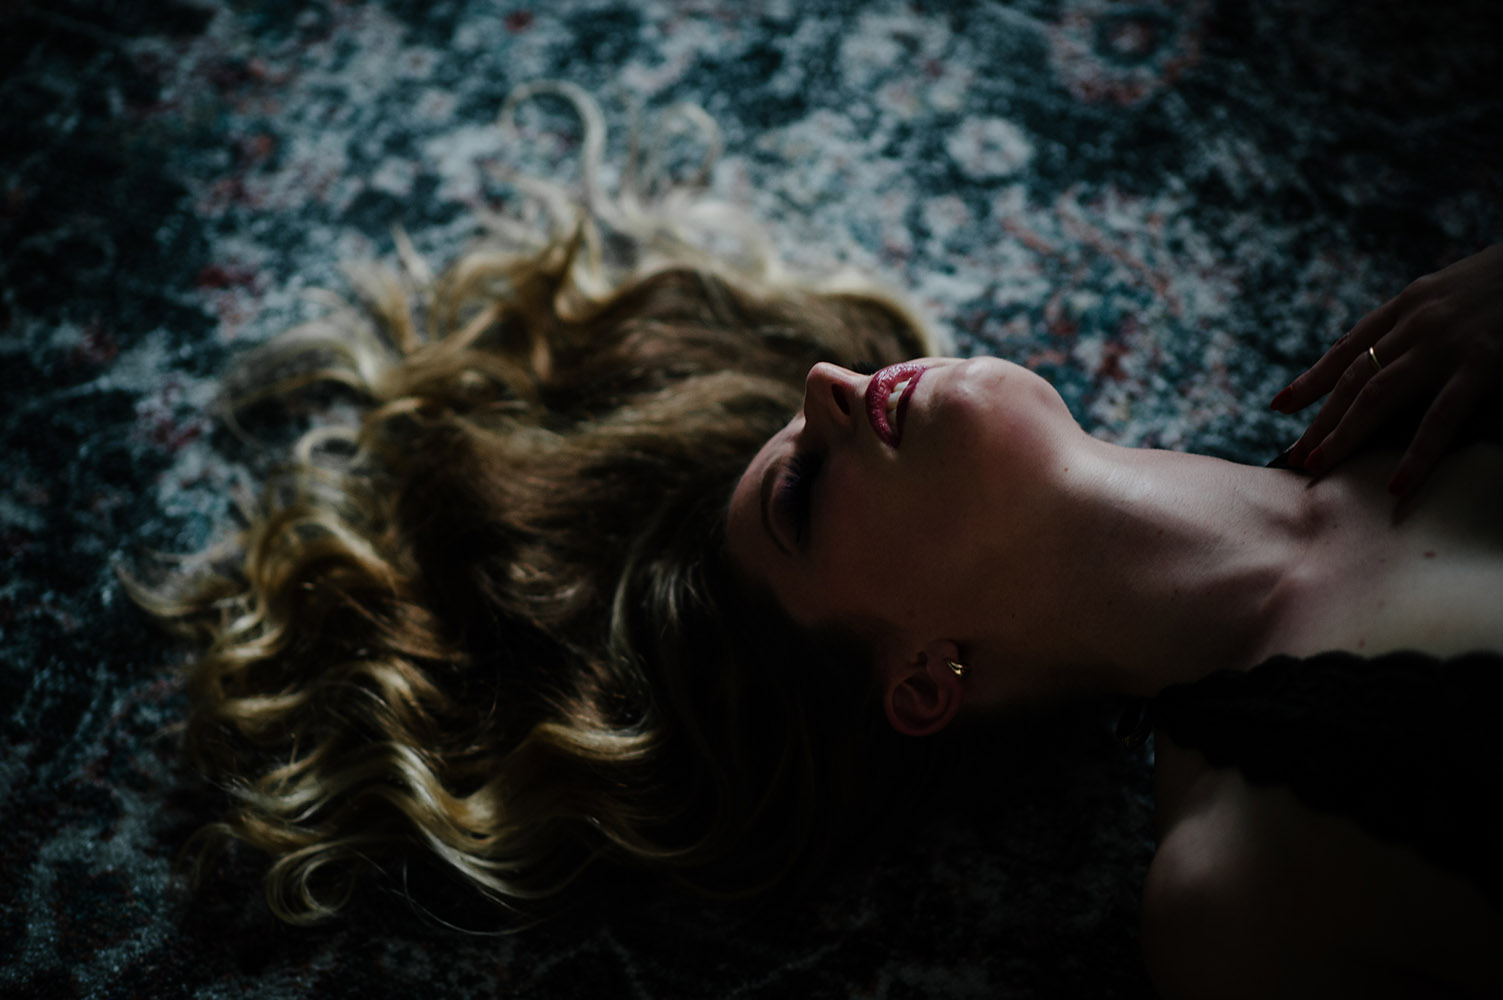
(1166, 207)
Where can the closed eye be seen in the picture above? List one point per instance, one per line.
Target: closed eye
(795, 495)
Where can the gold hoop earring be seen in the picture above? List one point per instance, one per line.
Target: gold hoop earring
(960, 668)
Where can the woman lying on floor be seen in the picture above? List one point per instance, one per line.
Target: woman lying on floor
(1323, 670)
(576, 588)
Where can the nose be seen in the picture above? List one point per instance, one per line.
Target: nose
(832, 396)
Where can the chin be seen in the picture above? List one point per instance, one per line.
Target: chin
(996, 380)
(1003, 415)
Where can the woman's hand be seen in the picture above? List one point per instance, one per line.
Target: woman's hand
(1441, 338)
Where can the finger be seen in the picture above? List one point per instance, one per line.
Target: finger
(1394, 346)
(1453, 405)
(1381, 393)
(1347, 386)
(1322, 376)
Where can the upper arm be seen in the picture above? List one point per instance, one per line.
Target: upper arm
(1201, 933)
(1196, 927)
(1247, 897)
(1253, 895)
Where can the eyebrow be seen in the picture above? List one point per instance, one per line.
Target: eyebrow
(768, 482)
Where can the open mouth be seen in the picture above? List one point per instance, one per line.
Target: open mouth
(887, 395)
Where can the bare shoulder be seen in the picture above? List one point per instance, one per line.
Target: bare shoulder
(1253, 895)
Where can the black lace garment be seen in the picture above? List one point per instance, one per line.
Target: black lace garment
(1406, 745)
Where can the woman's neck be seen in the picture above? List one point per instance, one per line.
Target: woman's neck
(1173, 566)
(1132, 569)
(1193, 562)
(1163, 567)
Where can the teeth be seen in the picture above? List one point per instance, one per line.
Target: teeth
(895, 396)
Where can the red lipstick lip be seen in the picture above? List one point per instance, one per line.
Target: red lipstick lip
(879, 388)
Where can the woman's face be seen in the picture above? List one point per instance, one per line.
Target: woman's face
(888, 499)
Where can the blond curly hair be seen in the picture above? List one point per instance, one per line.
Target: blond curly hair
(489, 618)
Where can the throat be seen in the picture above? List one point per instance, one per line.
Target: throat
(1372, 582)
(1157, 568)
(1199, 562)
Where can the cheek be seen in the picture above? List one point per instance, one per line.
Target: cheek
(883, 546)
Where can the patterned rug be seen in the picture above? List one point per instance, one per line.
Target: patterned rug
(1167, 207)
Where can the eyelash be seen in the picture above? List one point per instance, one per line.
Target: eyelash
(796, 493)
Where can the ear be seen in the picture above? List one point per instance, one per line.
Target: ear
(920, 691)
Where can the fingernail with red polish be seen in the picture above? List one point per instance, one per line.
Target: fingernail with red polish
(1316, 462)
(1281, 401)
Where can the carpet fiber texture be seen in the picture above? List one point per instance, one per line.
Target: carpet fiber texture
(1166, 207)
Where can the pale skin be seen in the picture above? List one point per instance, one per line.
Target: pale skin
(1439, 343)
(1126, 570)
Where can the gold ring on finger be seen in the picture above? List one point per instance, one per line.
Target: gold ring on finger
(1372, 359)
